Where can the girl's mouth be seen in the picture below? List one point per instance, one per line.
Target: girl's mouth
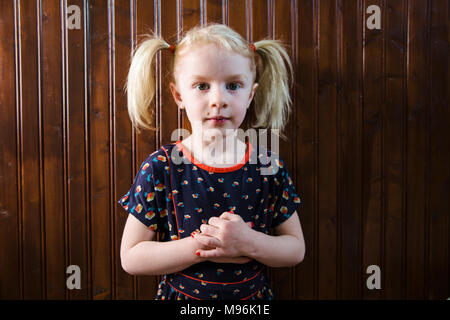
(218, 120)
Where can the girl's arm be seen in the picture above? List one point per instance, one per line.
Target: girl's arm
(231, 236)
(285, 249)
(141, 255)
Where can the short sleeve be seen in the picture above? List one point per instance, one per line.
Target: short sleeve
(142, 199)
(285, 198)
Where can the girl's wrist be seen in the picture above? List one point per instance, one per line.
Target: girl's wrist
(193, 246)
(250, 249)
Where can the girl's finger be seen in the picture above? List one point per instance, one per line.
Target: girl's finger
(207, 253)
(216, 222)
(206, 240)
(227, 215)
(209, 230)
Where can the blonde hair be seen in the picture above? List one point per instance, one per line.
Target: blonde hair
(270, 64)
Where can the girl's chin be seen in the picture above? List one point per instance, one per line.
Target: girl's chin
(211, 130)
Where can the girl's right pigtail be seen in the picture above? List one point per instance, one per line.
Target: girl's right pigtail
(140, 85)
(272, 98)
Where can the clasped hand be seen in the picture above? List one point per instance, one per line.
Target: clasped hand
(224, 239)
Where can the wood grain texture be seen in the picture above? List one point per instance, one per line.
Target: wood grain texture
(368, 141)
(11, 273)
(54, 187)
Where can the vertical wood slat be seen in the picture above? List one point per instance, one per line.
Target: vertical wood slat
(64, 124)
(87, 173)
(416, 147)
(171, 25)
(9, 212)
(147, 18)
(52, 102)
(338, 79)
(258, 23)
(394, 107)
(281, 29)
(190, 15)
(307, 144)
(102, 267)
(112, 140)
(76, 171)
(214, 11)
(373, 131)
(295, 55)
(373, 102)
(41, 153)
(439, 222)
(327, 162)
(237, 10)
(350, 128)
(124, 283)
(19, 138)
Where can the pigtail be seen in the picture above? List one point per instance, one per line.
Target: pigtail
(140, 85)
(274, 75)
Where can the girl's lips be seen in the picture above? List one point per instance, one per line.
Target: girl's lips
(218, 120)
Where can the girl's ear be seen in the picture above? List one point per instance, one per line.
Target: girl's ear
(176, 95)
(252, 93)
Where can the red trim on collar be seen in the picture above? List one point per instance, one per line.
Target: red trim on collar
(188, 155)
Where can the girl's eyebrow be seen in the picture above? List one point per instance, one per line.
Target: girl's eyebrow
(237, 76)
(232, 77)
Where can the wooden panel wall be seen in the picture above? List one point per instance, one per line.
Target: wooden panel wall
(368, 149)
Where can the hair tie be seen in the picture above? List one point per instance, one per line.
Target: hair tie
(172, 48)
(252, 47)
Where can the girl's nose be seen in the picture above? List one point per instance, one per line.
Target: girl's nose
(218, 98)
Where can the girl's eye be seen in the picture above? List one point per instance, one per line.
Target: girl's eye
(202, 86)
(233, 86)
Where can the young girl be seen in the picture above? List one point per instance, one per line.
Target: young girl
(213, 218)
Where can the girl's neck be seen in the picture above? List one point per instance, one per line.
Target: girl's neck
(224, 152)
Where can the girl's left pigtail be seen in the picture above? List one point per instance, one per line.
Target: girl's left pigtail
(140, 85)
(272, 98)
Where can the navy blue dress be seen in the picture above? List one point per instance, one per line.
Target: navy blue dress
(173, 194)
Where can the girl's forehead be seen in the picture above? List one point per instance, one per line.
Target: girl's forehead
(204, 47)
(209, 55)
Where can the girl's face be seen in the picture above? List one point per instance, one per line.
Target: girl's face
(214, 85)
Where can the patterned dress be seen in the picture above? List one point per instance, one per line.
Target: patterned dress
(173, 194)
